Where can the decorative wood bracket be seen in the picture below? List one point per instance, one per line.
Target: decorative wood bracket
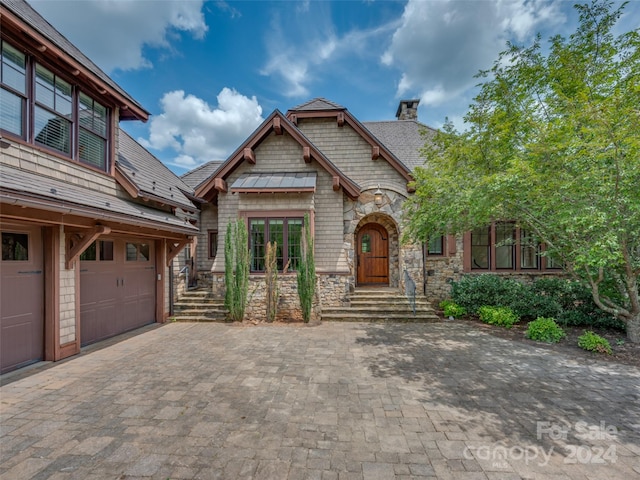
(249, 155)
(411, 188)
(220, 185)
(293, 119)
(336, 183)
(375, 152)
(174, 249)
(340, 119)
(82, 242)
(306, 154)
(277, 127)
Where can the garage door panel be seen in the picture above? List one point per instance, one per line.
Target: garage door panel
(117, 295)
(21, 297)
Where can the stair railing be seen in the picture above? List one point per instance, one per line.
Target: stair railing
(410, 290)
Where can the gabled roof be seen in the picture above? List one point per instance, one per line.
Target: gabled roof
(143, 175)
(195, 177)
(278, 123)
(404, 138)
(25, 18)
(322, 108)
(317, 104)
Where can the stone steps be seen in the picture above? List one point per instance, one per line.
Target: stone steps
(199, 306)
(380, 305)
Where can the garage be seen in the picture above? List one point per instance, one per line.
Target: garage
(117, 288)
(21, 297)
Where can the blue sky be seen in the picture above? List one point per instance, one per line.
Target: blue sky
(210, 71)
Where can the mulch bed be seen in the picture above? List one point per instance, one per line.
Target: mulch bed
(624, 352)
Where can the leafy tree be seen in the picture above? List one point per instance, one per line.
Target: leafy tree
(552, 142)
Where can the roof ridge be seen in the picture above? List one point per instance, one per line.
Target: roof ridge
(200, 167)
(318, 103)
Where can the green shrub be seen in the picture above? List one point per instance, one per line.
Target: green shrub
(545, 330)
(501, 316)
(568, 301)
(475, 291)
(594, 343)
(451, 309)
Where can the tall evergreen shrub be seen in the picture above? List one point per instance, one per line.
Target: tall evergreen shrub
(306, 272)
(236, 269)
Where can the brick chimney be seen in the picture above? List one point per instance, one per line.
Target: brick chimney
(408, 110)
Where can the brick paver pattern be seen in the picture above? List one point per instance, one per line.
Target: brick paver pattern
(333, 401)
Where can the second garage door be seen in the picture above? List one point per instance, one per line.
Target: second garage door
(117, 288)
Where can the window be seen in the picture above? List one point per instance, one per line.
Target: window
(14, 90)
(15, 246)
(505, 246)
(213, 243)
(435, 246)
(137, 252)
(39, 106)
(100, 249)
(365, 246)
(285, 232)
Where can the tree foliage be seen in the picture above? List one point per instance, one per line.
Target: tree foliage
(552, 142)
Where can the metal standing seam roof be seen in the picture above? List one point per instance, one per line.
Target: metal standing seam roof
(285, 182)
(149, 174)
(23, 10)
(16, 184)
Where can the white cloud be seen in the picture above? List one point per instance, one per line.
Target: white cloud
(300, 48)
(198, 132)
(113, 33)
(440, 45)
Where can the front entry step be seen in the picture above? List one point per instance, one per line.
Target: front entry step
(382, 304)
(199, 306)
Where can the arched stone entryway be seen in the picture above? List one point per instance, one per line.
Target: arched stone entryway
(376, 251)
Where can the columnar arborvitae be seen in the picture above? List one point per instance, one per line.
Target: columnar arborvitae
(306, 272)
(271, 280)
(236, 269)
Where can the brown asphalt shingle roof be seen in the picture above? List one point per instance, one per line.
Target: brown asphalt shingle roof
(404, 138)
(152, 177)
(199, 174)
(83, 201)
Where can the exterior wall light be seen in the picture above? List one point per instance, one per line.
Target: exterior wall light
(377, 196)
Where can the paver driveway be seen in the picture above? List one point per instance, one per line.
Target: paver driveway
(334, 401)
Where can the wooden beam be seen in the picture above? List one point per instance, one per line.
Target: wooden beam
(293, 119)
(74, 251)
(306, 154)
(277, 126)
(340, 118)
(375, 152)
(174, 248)
(249, 155)
(220, 185)
(336, 183)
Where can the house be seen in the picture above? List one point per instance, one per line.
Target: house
(352, 179)
(90, 221)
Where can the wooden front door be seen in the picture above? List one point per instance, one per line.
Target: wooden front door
(373, 255)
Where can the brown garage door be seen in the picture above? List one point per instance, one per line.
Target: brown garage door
(21, 297)
(117, 288)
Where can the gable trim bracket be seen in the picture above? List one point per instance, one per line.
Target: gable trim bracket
(79, 243)
(247, 152)
(173, 248)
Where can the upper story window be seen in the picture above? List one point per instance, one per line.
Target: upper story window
(42, 108)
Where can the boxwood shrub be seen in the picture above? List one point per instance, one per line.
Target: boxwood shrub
(501, 316)
(544, 330)
(593, 342)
